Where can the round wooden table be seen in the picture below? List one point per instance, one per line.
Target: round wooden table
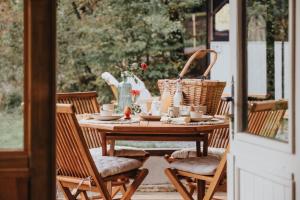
(153, 131)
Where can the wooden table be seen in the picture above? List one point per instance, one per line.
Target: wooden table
(156, 131)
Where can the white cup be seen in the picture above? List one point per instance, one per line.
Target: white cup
(200, 108)
(184, 110)
(195, 114)
(108, 107)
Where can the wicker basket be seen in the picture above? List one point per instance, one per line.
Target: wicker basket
(198, 91)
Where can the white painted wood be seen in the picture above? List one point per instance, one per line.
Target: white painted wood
(297, 105)
(264, 169)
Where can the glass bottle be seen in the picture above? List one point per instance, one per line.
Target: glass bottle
(178, 97)
(166, 98)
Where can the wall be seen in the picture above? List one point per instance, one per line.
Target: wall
(257, 69)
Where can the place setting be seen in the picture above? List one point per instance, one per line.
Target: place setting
(108, 115)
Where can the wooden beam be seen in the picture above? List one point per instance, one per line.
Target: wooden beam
(39, 96)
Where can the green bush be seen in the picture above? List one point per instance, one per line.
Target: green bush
(11, 102)
(107, 35)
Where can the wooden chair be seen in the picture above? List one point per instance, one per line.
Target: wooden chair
(78, 171)
(217, 141)
(86, 102)
(264, 119)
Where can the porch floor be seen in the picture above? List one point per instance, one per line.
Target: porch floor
(162, 196)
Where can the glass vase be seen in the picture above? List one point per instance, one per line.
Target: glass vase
(125, 98)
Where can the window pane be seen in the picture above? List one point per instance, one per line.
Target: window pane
(269, 67)
(11, 74)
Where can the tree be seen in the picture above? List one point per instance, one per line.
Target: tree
(103, 35)
(11, 53)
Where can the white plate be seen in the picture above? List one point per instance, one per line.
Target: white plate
(106, 118)
(202, 119)
(150, 117)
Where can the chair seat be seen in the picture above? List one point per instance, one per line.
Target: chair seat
(109, 165)
(191, 153)
(198, 165)
(122, 151)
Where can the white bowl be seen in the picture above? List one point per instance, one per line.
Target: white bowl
(195, 114)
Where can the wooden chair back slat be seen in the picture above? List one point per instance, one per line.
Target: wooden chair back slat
(69, 156)
(265, 117)
(84, 102)
(220, 137)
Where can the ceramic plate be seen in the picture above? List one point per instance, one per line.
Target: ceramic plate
(202, 119)
(150, 117)
(106, 118)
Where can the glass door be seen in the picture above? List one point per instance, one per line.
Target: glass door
(261, 159)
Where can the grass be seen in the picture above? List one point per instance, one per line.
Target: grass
(11, 134)
(11, 130)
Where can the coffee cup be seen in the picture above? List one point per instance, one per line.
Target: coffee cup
(200, 108)
(184, 110)
(195, 114)
(108, 107)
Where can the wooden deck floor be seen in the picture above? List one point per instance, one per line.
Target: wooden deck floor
(162, 196)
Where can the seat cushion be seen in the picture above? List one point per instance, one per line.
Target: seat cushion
(198, 165)
(191, 152)
(109, 165)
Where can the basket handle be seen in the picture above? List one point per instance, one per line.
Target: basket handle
(198, 55)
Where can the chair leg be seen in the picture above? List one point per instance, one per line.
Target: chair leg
(136, 183)
(109, 187)
(200, 189)
(178, 185)
(66, 191)
(115, 191)
(212, 188)
(191, 185)
(84, 195)
(123, 189)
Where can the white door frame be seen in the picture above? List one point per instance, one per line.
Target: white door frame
(276, 161)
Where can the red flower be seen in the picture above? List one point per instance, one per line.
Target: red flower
(144, 66)
(135, 92)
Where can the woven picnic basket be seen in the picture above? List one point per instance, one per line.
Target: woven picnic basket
(198, 91)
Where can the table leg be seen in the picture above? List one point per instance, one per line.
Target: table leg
(205, 145)
(104, 144)
(198, 148)
(112, 147)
